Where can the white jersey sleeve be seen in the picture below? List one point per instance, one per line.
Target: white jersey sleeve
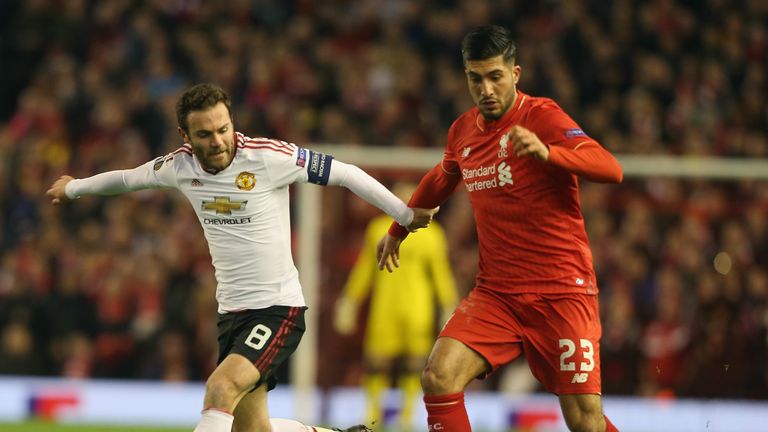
(369, 189)
(298, 166)
(151, 175)
(307, 166)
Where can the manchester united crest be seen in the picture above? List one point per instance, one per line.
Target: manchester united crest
(245, 181)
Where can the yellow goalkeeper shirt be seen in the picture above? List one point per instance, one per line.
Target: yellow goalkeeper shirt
(402, 309)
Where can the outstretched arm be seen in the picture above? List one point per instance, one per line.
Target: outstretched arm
(67, 188)
(369, 189)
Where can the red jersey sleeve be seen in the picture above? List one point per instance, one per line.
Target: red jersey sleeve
(571, 149)
(435, 187)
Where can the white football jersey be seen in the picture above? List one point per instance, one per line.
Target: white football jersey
(244, 211)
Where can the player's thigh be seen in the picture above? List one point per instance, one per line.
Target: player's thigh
(230, 381)
(484, 325)
(265, 337)
(451, 366)
(562, 342)
(584, 410)
(251, 413)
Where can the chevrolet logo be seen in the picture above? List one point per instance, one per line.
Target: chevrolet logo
(223, 205)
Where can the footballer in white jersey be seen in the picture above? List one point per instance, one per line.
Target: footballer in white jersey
(244, 212)
(238, 187)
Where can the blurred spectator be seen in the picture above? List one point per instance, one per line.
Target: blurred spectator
(17, 355)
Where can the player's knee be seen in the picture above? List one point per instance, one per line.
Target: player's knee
(220, 392)
(438, 381)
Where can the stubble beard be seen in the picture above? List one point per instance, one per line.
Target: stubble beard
(215, 166)
(494, 115)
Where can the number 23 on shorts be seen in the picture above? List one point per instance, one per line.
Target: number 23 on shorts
(588, 354)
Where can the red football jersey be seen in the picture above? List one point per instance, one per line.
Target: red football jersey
(530, 228)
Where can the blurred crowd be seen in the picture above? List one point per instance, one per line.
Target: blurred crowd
(123, 287)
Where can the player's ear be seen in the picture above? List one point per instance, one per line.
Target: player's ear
(183, 134)
(516, 71)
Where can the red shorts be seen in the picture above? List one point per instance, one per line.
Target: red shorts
(559, 334)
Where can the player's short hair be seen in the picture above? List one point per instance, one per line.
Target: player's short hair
(197, 98)
(488, 41)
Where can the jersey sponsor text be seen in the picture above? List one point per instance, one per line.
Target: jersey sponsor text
(482, 171)
(481, 184)
(504, 177)
(216, 221)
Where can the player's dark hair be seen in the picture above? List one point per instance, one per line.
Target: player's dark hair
(197, 98)
(488, 41)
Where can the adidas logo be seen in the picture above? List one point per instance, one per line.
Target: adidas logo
(196, 183)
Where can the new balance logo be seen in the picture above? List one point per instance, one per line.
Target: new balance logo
(505, 174)
(196, 183)
(580, 378)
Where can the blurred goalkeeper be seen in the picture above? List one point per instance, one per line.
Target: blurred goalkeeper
(401, 320)
(520, 158)
(238, 187)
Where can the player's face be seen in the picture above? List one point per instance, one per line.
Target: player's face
(493, 85)
(212, 137)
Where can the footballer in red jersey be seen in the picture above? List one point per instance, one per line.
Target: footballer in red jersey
(519, 157)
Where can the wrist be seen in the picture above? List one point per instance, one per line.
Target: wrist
(398, 231)
(69, 189)
(407, 217)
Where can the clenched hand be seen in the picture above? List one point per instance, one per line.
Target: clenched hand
(56, 191)
(526, 143)
(422, 218)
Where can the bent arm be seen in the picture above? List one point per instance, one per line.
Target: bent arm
(588, 160)
(369, 189)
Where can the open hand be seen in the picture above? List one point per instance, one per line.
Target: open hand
(345, 316)
(388, 252)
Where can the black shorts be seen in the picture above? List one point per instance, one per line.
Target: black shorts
(266, 337)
